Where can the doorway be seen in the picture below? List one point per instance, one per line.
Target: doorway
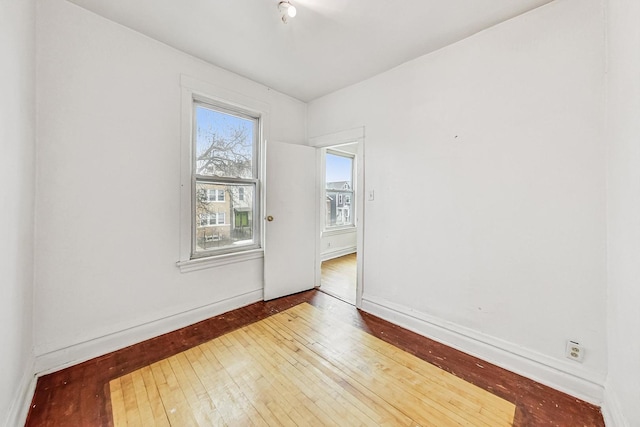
(339, 220)
(351, 141)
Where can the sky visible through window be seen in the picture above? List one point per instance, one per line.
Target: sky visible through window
(338, 168)
(222, 124)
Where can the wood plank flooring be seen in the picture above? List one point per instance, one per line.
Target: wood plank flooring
(339, 278)
(300, 367)
(80, 395)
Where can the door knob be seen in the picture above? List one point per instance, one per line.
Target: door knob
(269, 218)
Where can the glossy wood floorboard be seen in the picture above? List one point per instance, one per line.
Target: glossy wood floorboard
(80, 395)
(339, 278)
(300, 367)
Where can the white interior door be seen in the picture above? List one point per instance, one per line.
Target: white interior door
(290, 240)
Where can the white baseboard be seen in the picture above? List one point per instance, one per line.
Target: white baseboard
(337, 253)
(19, 409)
(612, 412)
(78, 353)
(554, 373)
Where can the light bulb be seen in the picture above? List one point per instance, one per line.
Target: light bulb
(287, 9)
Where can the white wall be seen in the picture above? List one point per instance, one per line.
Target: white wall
(337, 243)
(17, 141)
(494, 147)
(623, 136)
(109, 183)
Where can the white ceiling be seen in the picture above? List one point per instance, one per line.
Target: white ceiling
(329, 45)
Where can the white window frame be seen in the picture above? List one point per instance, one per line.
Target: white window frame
(193, 89)
(202, 102)
(337, 228)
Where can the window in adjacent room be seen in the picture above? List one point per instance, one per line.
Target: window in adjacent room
(224, 180)
(339, 175)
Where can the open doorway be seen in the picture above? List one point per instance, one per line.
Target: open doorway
(338, 247)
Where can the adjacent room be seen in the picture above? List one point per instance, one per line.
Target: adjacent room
(304, 212)
(339, 243)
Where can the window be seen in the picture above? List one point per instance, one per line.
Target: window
(225, 180)
(214, 195)
(339, 173)
(209, 219)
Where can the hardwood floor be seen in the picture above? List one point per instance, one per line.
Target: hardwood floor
(339, 278)
(80, 395)
(300, 367)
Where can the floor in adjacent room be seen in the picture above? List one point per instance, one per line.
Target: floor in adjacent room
(306, 359)
(339, 278)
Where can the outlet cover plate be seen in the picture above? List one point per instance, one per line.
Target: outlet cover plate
(574, 351)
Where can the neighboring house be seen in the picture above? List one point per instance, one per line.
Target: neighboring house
(339, 199)
(223, 215)
(213, 208)
(242, 221)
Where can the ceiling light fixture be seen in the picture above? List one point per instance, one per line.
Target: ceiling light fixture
(287, 10)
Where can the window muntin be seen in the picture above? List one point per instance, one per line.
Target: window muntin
(225, 180)
(339, 173)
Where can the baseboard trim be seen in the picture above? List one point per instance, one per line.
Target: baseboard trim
(611, 410)
(17, 415)
(81, 352)
(546, 370)
(337, 253)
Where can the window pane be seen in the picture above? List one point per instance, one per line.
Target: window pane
(224, 144)
(339, 172)
(227, 224)
(339, 190)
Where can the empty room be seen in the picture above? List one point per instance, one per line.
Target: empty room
(305, 212)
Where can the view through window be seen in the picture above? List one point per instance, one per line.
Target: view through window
(339, 189)
(225, 177)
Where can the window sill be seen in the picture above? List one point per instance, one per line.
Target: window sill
(218, 260)
(341, 230)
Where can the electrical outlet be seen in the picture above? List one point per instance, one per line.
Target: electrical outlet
(574, 351)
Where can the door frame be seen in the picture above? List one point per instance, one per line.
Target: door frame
(355, 135)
